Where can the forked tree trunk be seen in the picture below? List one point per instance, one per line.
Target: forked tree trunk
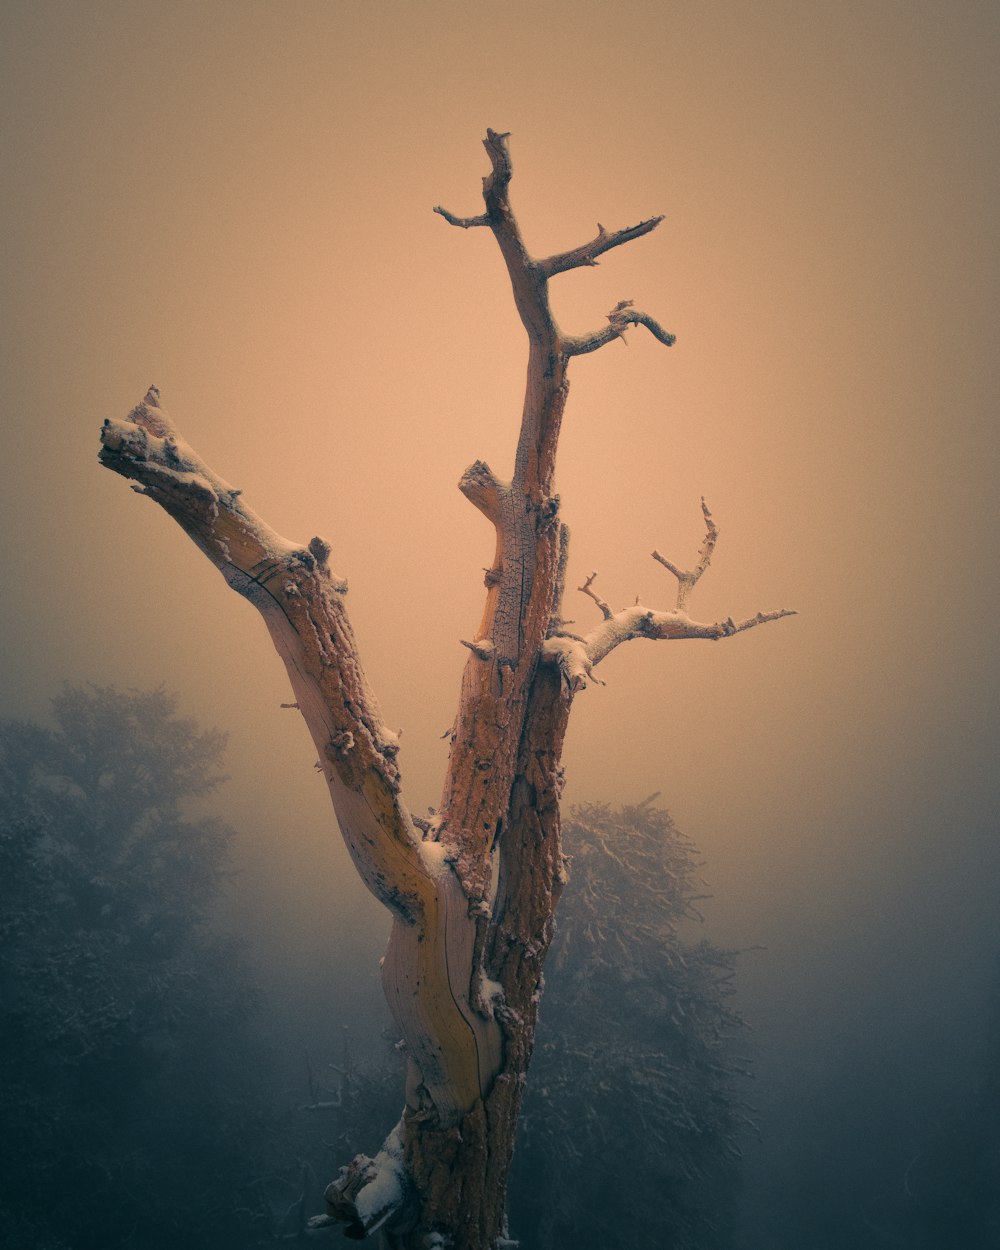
(472, 891)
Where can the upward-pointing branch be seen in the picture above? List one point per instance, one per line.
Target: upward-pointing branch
(587, 253)
(687, 579)
(524, 581)
(302, 604)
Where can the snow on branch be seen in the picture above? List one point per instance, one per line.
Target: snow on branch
(620, 318)
(302, 604)
(368, 1192)
(587, 253)
(147, 447)
(576, 656)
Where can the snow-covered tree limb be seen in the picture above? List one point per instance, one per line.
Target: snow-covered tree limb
(576, 656)
(369, 1192)
(302, 603)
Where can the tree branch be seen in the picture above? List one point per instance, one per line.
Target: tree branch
(576, 657)
(465, 222)
(303, 607)
(619, 319)
(495, 184)
(531, 296)
(640, 622)
(369, 1192)
(587, 589)
(587, 253)
(302, 603)
(521, 581)
(524, 583)
(687, 580)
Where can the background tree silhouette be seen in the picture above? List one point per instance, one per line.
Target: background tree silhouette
(631, 1120)
(129, 1075)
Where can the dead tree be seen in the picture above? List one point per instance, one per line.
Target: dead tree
(472, 891)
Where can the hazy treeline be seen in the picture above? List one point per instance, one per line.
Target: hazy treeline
(133, 1094)
(140, 1108)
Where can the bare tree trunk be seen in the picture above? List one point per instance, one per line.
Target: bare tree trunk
(472, 891)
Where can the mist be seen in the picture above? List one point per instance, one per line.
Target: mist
(233, 201)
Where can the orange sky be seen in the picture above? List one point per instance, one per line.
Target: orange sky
(233, 200)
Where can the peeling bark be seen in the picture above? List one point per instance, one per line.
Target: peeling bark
(473, 892)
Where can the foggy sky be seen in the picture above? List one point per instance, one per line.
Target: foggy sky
(233, 201)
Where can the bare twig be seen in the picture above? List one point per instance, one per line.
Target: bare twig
(587, 589)
(465, 222)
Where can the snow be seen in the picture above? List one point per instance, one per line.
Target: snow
(387, 742)
(432, 850)
(384, 1192)
(492, 990)
(572, 659)
(491, 996)
(433, 856)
